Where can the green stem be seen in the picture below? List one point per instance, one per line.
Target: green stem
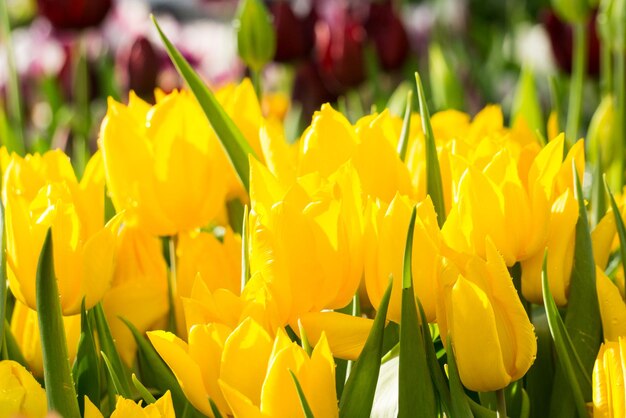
(17, 142)
(577, 82)
(620, 110)
(171, 284)
(501, 412)
(256, 82)
(82, 125)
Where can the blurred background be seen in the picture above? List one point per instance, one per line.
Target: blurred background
(70, 55)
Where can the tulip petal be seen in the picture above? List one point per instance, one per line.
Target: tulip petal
(612, 307)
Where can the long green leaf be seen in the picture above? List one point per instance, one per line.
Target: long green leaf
(416, 396)
(403, 143)
(359, 390)
(107, 346)
(459, 403)
(566, 352)
(115, 379)
(583, 313)
(10, 350)
(56, 367)
(433, 364)
(165, 378)
(86, 368)
(233, 141)
(215, 409)
(434, 184)
(306, 409)
(143, 391)
(619, 223)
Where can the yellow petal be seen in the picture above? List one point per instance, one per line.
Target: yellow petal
(91, 411)
(612, 307)
(175, 352)
(346, 334)
(475, 339)
(244, 359)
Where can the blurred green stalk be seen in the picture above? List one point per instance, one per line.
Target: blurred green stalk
(577, 82)
(15, 141)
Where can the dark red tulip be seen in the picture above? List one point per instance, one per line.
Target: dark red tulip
(339, 50)
(294, 35)
(310, 90)
(387, 31)
(142, 67)
(561, 35)
(74, 14)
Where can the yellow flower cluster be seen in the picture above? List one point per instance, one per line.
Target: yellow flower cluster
(328, 219)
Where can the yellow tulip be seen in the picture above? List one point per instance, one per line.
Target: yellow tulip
(126, 408)
(276, 396)
(138, 292)
(609, 380)
(307, 240)
(218, 263)
(25, 329)
(560, 246)
(20, 394)
(385, 242)
(41, 192)
(492, 337)
(327, 143)
(162, 163)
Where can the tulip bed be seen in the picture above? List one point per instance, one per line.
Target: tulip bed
(201, 264)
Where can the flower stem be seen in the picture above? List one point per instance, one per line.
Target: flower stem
(171, 283)
(577, 82)
(501, 412)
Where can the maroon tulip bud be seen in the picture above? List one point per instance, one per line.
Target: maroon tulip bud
(309, 90)
(295, 36)
(339, 50)
(385, 28)
(561, 36)
(74, 14)
(142, 67)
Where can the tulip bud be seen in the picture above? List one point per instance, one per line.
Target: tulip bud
(560, 35)
(389, 35)
(142, 68)
(526, 107)
(74, 14)
(295, 36)
(601, 133)
(339, 50)
(609, 370)
(256, 39)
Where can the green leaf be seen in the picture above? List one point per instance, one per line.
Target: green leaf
(306, 409)
(433, 364)
(598, 192)
(525, 410)
(56, 367)
(406, 126)
(567, 355)
(256, 37)
(165, 378)
(245, 249)
(446, 88)
(11, 351)
(113, 360)
(582, 321)
(359, 390)
(540, 376)
(397, 101)
(115, 380)
(434, 186)
(526, 105)
(459, 401)
(86, 368)
(143, 392)
(416, 396)
(478, 411)
(619, 222)
(233, 141)
(215, 409)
